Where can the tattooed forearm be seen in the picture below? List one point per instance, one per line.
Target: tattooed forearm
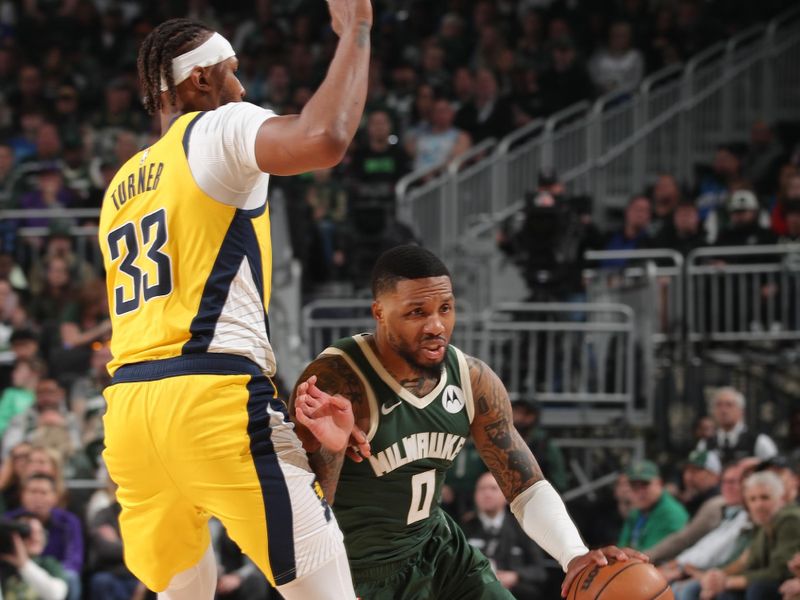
(327, 466)
(500, 445)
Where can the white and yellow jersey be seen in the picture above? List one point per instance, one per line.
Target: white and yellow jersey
(185, 236)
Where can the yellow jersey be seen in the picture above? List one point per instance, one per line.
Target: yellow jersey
(185, 272)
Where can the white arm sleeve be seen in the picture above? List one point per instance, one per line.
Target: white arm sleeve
(222, 154)
(45, 585)
(543, 516)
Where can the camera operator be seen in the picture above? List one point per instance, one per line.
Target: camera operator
(24, 572)
(547, 239)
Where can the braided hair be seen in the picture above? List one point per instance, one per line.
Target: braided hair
(170, 39)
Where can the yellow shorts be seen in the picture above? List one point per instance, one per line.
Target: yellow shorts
(201, 435)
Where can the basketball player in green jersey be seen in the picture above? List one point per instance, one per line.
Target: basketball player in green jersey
(418, 399)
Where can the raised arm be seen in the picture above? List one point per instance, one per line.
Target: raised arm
(332, 376)
(318, 137)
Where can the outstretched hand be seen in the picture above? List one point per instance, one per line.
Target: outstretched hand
(597, 557)
(349, 13)
(329, 418)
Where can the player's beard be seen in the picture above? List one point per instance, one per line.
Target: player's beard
(407, 354)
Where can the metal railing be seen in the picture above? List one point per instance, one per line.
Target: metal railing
(614, 147)
(650, 281)
(578, 359)
(743, 294)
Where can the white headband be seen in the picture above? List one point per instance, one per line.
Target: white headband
(211, 52)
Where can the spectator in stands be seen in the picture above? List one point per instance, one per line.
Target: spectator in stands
(57, 302)
(684, 233)
(443, 142)
(25, 572)
(23, 140)
(463, 89)
(47, 156)
(24, 344)
(516, 560)
(528, 99)
(421, 115)
(488, 114)
(239, 578)
(50, 192)
(782, 468)
(788, 195)
(720, 546)
(548, 455)
(705, 508)
(567, 81)
(59, 245)
(701, 477)
(732, 439)
(119, 113)
(619, 66)
(328, 200)
(47, 413)
(453, 40)
(716, 184)
(530, 47)
(76, 171)
(110, 578)
(12, 473)
(759, 572)
(666, 197)
(64, 534)
(376, 167)
(29, 92)
(791, 214)
(761, 163)
(656, 514)
(47, 461)
(633, 234)
(402, 94)
(744, 228)
(19, 396)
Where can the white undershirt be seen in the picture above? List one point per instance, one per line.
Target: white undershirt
(222, 155)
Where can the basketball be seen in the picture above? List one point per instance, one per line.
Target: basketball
(620, 580)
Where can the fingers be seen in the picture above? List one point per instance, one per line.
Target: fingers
(636, 554)
(353, 455)
(599, 558)
(341, 403)
(359, 438)
(615, 553)
(567, 584)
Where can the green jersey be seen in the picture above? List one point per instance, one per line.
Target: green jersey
(388, 505)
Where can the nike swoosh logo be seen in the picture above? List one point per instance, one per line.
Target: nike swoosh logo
(385, 410)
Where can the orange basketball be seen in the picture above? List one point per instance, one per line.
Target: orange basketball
(631, 579)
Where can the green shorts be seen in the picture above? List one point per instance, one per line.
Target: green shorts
(446, 568)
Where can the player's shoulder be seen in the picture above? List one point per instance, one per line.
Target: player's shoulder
(233, 111)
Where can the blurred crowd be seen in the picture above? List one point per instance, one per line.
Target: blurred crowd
(444, 77)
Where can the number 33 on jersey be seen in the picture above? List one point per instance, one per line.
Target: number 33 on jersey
(194, 269)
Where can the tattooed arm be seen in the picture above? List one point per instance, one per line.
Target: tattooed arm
(334, 377)
(534, 502)
(501, 447)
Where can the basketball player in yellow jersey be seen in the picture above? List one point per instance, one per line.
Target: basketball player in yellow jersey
(193, 427)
